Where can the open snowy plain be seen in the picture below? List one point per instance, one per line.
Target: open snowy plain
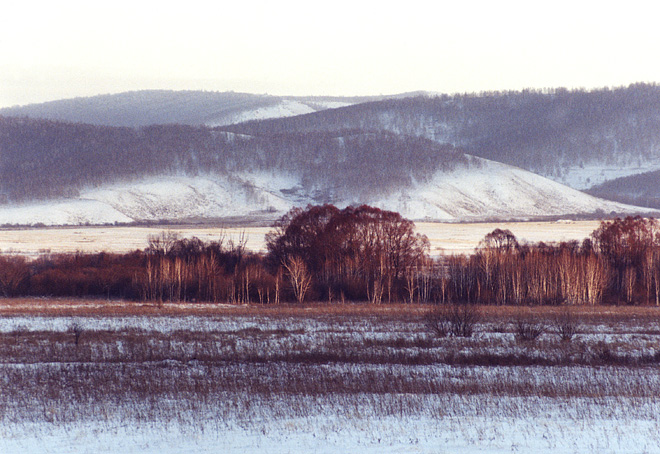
(443, 237)
(112, 376)
(109, 377)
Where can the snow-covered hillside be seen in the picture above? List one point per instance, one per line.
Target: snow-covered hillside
(159, 198)
(284, 108)
(491, 190)
(482, 190)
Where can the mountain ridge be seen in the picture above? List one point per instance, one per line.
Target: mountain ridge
(566, 135)
(392, 153)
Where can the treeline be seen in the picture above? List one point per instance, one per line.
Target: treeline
(322, 253)
(43, 159)
(543, 131)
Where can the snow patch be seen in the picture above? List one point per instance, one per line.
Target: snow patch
(62, 212)
(182, 197)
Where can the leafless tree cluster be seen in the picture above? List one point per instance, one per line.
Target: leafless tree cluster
(323, 253)
(355, 253)
(191, 270)
(619, 263)
(503, 272)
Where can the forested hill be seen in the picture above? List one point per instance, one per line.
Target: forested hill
(407, 155)
(41, 159)
(578, 137)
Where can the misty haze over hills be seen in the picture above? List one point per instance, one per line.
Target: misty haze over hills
(120, 158)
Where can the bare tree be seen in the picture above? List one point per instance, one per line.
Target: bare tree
(566, 325)
(299, 276)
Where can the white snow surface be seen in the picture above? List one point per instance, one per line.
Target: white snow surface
(551, 433)
(182, 197)
(482, 191)
(62, 212)
(285, 108)
(155, 198)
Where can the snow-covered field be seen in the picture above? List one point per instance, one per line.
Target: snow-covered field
(326, 381)
(443, 237)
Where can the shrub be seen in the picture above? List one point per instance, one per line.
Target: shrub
(529, 330)
(77, 331)
(566, 326)
(459, 320)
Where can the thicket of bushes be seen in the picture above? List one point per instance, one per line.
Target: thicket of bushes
(322, 253)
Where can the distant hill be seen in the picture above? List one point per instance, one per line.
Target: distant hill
(642, 189)
(151, 107)
(184, 155)
(577, 137)
(64, 173)
(581, 138)
(477, 190)
(43, 159)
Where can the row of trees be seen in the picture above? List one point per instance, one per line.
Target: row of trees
(322, 253)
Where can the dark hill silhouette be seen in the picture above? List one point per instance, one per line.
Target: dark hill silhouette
(641, 190)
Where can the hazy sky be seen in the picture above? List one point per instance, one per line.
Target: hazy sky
(58, 49)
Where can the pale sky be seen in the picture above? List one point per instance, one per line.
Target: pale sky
(60, 49)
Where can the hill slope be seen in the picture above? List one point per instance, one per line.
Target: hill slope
(45, 159)
(61, 173)
(580, 138)
(642, 189)
(478, 190)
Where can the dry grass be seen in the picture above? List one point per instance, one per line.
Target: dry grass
(68, 307)
(101, 307)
